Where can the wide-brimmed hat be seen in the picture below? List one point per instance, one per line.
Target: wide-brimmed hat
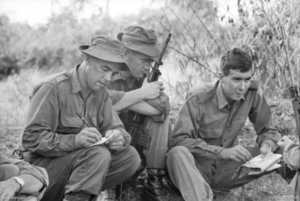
(105, 48)
(141, 40)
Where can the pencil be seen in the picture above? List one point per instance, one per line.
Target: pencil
(84, 121)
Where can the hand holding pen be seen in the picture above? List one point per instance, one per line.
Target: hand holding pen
(87, 136)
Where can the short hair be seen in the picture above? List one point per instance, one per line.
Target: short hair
(235, 59)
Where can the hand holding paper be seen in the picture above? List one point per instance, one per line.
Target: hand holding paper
(259, 164)
(109, 134)
(115, 140)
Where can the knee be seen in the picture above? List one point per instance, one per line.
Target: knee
(131, 161)
(176, 153)
(98, 153)
(134, 159)
(8, 170)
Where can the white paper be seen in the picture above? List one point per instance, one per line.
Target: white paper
(102, 141)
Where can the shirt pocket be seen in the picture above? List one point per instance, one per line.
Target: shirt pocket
(70, 121)
(210, 132)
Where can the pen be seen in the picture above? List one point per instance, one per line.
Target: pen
(84, 121)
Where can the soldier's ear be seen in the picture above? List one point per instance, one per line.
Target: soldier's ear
(125, 52)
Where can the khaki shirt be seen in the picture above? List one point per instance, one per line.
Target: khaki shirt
(207, 122)
(119, 85)
(26, 168)
(52, 123)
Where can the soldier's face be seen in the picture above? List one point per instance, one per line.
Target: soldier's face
(99, 73)
(236, 84)
(139, 63)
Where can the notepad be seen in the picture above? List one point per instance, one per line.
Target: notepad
(102, 141)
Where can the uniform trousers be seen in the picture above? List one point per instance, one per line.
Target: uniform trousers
(89, 170)
(159, 133)
(196, 177)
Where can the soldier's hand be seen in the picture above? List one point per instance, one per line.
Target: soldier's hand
(86, 137)
(8, 189)
(265, 149)
(284, 142)
(151, 90)
(237, 153)
(115, 140)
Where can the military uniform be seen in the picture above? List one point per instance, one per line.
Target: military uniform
(152, 135)
(206, 124)
(14, 167)
(50, 132)
(52, 124)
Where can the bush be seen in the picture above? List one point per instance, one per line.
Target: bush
(8, 66)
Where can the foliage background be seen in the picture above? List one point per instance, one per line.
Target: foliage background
(267, 29)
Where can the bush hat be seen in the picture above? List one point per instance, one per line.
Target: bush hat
(107, 49)
(141, 40)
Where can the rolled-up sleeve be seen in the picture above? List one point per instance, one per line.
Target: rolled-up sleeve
(115, 96)
(292, 156)
(185, 132)
(260, 115)
(39, 134)
(26, 168)
(161, 103)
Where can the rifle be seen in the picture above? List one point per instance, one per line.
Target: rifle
(296, 105)
(293, 89)
(155, 73)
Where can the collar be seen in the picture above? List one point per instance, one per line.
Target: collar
(74, 80)
(221, 99)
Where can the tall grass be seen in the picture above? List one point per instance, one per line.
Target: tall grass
(199, 39)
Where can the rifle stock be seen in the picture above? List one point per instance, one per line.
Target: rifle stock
(155, 73)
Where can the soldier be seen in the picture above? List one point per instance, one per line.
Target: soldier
(205, 151)
(150, 137)
(71, 111)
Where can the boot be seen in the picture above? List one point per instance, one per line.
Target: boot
(153, 190)
(79, 196)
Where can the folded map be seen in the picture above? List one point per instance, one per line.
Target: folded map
(259, 164)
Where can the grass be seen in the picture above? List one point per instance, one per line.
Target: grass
(15, 92)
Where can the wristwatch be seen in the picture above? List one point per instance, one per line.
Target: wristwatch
(20, 181)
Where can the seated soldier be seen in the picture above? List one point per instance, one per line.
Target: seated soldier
(20, 179)
(205, 152)
(71, 111)
(149, 137)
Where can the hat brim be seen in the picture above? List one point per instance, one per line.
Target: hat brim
(152, 50)
(103, 55)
